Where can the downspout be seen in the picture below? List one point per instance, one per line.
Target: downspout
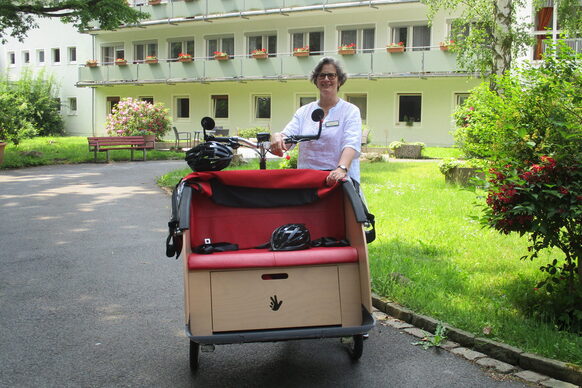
(93, 129)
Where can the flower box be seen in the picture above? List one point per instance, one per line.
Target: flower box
(121, 62)
(260, 56)
(346, 51)
(91, 63)
(221, 57)
(151, 60)
(154, 2)
(301, 53)
(396, 49)
(444, 47)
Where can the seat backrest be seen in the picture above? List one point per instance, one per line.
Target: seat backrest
(175, 131)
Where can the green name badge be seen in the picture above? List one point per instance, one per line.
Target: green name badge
(332, 123)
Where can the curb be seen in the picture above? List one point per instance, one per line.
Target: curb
(534, 368)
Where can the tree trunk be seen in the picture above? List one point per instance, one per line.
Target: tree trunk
(501, 61)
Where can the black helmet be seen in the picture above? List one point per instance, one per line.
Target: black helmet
(209, 156)
(290, 237)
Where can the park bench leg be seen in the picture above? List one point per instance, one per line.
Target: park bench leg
(145, 154)
(107, 157)
(95, 152)
(132, 154)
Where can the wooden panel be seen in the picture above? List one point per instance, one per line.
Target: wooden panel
(351, 300)
(200, 305)
(244, 300)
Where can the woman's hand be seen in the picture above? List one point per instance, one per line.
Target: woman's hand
(335, 176)
(277, 144)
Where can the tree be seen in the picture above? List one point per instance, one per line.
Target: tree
(17, 17)
(488, 34)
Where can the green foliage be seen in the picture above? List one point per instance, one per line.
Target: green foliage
(397, 144)
(13, 123)
(448, 164)
(43, 108)
(537, 112)
(430, 341)
(18, 17)
(136, 117)
(250, 133)
(290, 159)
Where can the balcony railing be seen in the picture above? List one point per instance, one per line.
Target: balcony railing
(377, 64)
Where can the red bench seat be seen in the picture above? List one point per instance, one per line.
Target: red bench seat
(254, 258)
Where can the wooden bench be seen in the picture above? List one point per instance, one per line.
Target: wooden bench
(100, 144)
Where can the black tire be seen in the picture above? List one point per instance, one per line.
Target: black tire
(356, 348)
(194, 356)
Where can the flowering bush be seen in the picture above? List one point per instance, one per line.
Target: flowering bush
(301, 49)
(220, 54)
(447, 43)
(399, 44)
(120, 60)
(351, 46)
(151, 58)
(259, 51)
(91, 62)
(135, 117)
(184, 56)
(544, 199)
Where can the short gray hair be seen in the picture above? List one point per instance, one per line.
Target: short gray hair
(342, 77)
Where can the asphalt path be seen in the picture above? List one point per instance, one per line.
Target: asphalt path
(88, 299)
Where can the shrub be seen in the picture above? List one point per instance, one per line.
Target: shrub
(135, 117)
(447, 164)
(14, 125)
(397, 144)
(290, 159)
(249, 133)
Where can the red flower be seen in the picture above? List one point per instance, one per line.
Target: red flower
(564, 190)
(536, 168)
(287, 157)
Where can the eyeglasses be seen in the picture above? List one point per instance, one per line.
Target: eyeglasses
(330, 76)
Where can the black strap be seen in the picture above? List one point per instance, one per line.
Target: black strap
(329, 242)
(206, 249)
(174, 240)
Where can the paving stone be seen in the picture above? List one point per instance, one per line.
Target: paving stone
(530, 376)
(498, 350)
(398, 324)
(553, 368)
(416, 332)
(462, 337)
(553, 383)
(424, 322)
(380, 316)
(468, 353)
(499, 366)
(398, 311)
(448, 345)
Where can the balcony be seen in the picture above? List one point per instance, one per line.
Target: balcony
(378, 64)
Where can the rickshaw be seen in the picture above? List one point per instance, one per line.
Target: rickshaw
(237, 288)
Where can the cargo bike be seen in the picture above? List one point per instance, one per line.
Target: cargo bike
(237, 287)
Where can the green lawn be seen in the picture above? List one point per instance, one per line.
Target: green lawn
(432, 257)
(66, 150)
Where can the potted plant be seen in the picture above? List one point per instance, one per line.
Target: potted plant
(91, 63)
(301, 51)
(220, 56)
(184, 57)
(259, 53)
(151, 59)
(132, 117)
(403, 150)
(461, 172)
(447, 44)
(347, 49)
(120, 62)
(395, 47)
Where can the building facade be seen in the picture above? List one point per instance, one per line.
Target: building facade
(408, 92)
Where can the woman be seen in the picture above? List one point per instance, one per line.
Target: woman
(338, 148)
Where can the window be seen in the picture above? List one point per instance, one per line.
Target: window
(112, 103)
(176, 47)
(361, 101)
(110, 53)
(460, 98)
(40, 56)
(409, 108)
(312, 39)
(262, 107)
(142, 50)
(220, 106)
(225, 45)
(417, 37)
(304, 100)
(268, 42)
(11, 58)
(182, 107)
(26, 56)
(363, 38)
(72, 105)
(147, 99)
(72, 51)
(56, 55)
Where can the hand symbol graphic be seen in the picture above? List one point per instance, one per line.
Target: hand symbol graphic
(275, 304)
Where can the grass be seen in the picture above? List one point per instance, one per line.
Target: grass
(67, 150)
(432, 257)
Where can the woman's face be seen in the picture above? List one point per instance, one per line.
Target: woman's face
(327, 80)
